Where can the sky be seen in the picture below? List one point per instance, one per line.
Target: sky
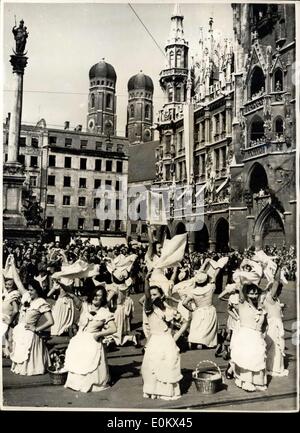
(66, 39)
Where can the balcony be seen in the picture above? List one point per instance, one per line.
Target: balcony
(265, 147)
(254, 104)
(173, 71)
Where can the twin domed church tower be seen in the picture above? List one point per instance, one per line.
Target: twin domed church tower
(102, 118)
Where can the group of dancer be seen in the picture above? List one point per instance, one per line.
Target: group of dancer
(177, 305)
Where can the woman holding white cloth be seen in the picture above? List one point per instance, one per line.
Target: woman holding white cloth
(85, 358)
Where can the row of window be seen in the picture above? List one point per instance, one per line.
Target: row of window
(34, 141)
(102, 83)
(147, 111)
(139, 95)
(108, 100)
(84, 144)
(83, 164)
(66, 201)
(82, 182)
(81, 223)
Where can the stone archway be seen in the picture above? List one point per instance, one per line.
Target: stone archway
(257, 179)
(201, 239)
(269, 228)
(222, 235)
(180, 228)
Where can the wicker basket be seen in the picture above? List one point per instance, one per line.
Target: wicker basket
(57, 378)
(208, 379)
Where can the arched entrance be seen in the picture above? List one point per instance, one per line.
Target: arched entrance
(201, 239)
(269, 228)
(180, 229)
(222, 235)
(258, 179)
(273, 230)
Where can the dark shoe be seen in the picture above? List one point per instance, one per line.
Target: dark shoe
(229, 375)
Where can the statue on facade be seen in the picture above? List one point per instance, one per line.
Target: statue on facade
(21, 35)
(33, 214)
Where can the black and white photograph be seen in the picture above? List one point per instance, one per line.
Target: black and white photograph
(150, 179)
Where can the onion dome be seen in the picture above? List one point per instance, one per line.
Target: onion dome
(103, 70)
(140, 81)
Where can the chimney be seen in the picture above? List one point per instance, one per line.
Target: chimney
(67, 124)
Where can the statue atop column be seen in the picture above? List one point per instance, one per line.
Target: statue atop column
(21, 35)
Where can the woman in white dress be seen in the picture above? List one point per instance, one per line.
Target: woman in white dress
(161, 364)
(248, 347)
(30, 355)
(275, 330)
(85, 358)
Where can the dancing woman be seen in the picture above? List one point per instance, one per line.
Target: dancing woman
(29, 355)
(161, 364)
(248, 347)
(275, 331)
(85, 358)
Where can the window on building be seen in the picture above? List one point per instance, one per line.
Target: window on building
(22, 141)
(180, 140)
(66, 200)
(257, 130)
(51, 180)
(108, 100)
(147, 111)
(107, 205)
(96, 202)
(98, 164)
(117, 204)
(67, 181)
(21, 159)
(108, 182)
(80, 223)
(178, 94)
(68, 162)
(97, 183)
(96, 224)
(49, 222)
(65, 222)
(217, 159)
(223, 156)
(83, 144)
(203, 131)
(131, 110)
(52, 139)
(82, 182)
(279, 126)
(217, 125)
(108, 165)
(81, 201)
(33, 161)
(133, 228)
(98, 145)
(119, 147)
(107, 225)
(5, 157)
(168, 173)
(82, 163)
(92, 100)
(109, 147)
(33, 181)
(196, 166)
(119, 166)
(52, 160)
(257, 82)
(68, 142)
(168, 143)
(34, 142)
(170, 94)
(171, 59)
(50, 199)
(203, 165)
(118, 225)
(118, 185)
(196, 132)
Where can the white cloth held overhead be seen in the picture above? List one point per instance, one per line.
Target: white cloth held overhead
(172, 252)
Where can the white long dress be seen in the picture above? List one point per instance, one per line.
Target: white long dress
(85, 358)
(29, 355)
(204, 324)
(161, 364)
(63, 313)
(275, 338)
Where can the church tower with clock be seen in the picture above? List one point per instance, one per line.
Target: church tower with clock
(102, 118)
(140, 109)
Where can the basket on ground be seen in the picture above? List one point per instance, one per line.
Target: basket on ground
(207, 377)
(57, 377)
